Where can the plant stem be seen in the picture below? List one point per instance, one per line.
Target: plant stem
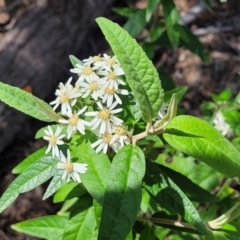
(176, 223)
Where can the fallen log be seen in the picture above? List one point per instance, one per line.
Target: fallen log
(35, 51)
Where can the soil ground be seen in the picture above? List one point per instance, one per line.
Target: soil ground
(185, 69)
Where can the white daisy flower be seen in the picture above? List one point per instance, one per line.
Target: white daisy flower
(71, 170)
(54, 140)
(119, 139)
(74, 122)
(104, 118)
(66, 97)
(111, 76)
(92, 60)
(220, 124)
(110, 93)
(62, 86)
(91, 87)
(162, 112)
(107, 62)
(85, 72)
(103, 143)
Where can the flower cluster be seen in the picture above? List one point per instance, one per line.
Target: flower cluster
(98, 90)
(221, 125)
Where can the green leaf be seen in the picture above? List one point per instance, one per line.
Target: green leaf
(54, 185)
(125, 12)
(75, 61)
(156, 32)
(66, 205)
(40, 133)
(192, 190)
(136, 23)
(227, 217)
(28, 161)
(68, 191)
(27, 103)
(47, 227)
(123, 193)
(183, 236)
(200, 140)
(166, 80)
(229, 231)
(47, 109)
(169, 221)
(232, 117)
(169, 195)
(191, 42)
(180, 91)
(225, 95)
(34, 176)
(147, 234)
(95, 180)
(149, 49)
(152, 4)
(160, 125)
(139, 70)
(97, 212)
(237, 98)
(200, 173)
(82, 223)
(129, 236)
(171, 19)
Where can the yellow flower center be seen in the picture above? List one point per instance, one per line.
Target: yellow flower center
(104, 114)
(110, 91)
(73, 120)
(107, 137)
(93, 86)
(87, 70)
(97, 58)
(111, 61)
(53, 140)
(120, 131)
(112, 76)
(69, 167)
(64, 98)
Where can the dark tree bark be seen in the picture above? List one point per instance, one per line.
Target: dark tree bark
(35, 51)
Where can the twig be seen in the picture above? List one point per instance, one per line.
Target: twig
(215, 29)
(192, 14)
(8, 26)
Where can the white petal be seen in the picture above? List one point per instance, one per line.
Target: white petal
(50, 130)
(96, 124)
(116, 110)
(105, 148)
(95, 144)
(80, 167)
(64, 121)
(68, 155)
(59, 142)
(82, 110)
(100, 147)
(91, 114)
(113, 105)
(103, 127)
(65, 173)
(49, 148)
(60, 165)
(100, 105)
(76, 177)
(62, 157)
(46, 138)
